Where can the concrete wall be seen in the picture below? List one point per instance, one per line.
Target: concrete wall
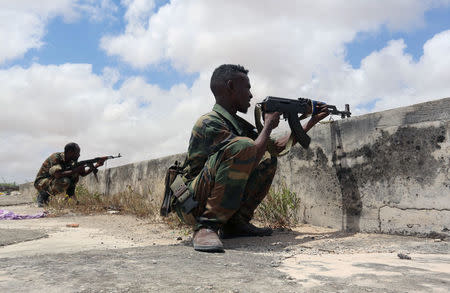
(27, 189)
(381, 172)
(146, 177)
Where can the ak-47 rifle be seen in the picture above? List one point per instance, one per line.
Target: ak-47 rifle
(290, 109)
(90, 163)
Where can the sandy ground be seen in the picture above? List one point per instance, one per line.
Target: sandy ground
(120, 253)
(107, 231)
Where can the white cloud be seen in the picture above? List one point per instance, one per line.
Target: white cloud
(97, 10)
(23, 22)
(194, 35)
(392, 77)
(290, 49)
(49, 106)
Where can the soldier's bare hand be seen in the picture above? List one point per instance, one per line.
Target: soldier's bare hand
(79, 169)
(100, 162)
(323, 112)
(272, 119)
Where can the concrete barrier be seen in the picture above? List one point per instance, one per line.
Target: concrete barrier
(146, 177)
(381, 172)
(27, 189)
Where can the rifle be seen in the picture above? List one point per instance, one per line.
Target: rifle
(171, 174)
(177, 196)
(290, 109)
(90, 163)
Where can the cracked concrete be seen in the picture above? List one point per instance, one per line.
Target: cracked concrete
(433, 221)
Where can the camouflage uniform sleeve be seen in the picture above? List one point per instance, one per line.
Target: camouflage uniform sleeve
(217, 134)
(209, 134)
(54, 164)
(46, 169)
(54, 169)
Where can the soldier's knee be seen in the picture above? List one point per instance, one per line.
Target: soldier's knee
(42, 184)
(61, 184)
(65, 181)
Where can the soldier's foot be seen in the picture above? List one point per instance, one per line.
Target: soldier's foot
(207, 240)
(243, 229)
(42, 199)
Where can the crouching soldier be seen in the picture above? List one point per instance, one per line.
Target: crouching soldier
(226, 174)
(60, 174)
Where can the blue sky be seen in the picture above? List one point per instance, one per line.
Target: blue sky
(436, 20)
(78, 42)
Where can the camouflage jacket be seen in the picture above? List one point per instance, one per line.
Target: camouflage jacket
(211, 132)
(52, 164)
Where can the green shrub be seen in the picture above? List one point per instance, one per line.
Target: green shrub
(279, 208)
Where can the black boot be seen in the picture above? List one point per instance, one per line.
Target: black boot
(243, 229)
(42, 198)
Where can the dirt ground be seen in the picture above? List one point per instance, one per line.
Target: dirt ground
(120, 253)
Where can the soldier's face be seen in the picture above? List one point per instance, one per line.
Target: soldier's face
(73, 155)
(242, 93)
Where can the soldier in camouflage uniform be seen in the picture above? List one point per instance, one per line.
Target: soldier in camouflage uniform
(58, 174)
(225, 169)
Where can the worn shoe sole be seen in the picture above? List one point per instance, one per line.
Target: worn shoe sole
(207, 248)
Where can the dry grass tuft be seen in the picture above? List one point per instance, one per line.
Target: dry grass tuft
(128, 202)
(279, 208)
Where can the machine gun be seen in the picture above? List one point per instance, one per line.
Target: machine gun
(290, 109)
(90, 163)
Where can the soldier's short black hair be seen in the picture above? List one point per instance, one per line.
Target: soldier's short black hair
(70, 147)
(223, 73)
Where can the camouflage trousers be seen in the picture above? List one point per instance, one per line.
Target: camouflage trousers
(55, 186)
(231, 185)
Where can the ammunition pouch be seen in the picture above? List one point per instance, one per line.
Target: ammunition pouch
(183, 202)
(184, 199)
(177, 196)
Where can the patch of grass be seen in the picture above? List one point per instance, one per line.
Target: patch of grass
(279, 208)
(9, 185)
(128, 202)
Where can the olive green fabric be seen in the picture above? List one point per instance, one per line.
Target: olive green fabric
(220, 168)
(45, 180)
